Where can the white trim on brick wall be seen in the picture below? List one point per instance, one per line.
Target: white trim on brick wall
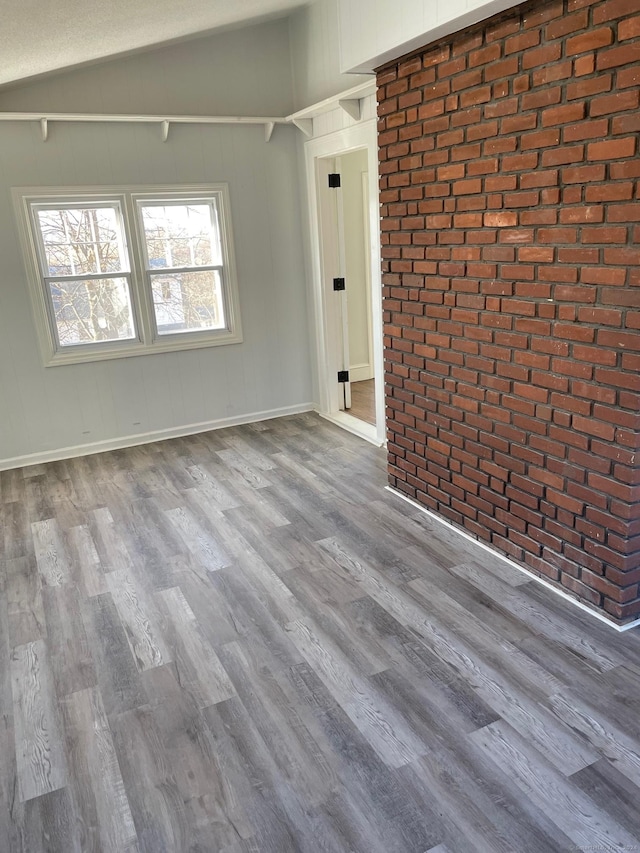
(558, 591)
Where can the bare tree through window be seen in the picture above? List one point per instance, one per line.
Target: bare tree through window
(79, 242)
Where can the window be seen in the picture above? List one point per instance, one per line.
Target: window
(125, 272)
(183, 256)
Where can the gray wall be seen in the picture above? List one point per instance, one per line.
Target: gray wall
(315, 54)
(44, 409)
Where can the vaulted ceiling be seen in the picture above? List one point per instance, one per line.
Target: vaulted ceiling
(40, 36)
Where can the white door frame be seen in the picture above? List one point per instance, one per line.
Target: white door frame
(363, 135)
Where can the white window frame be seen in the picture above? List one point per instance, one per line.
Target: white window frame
(130, 200)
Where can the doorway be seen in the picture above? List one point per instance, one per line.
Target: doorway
(345, 242)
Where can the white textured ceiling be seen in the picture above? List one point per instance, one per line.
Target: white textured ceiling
(39, 36)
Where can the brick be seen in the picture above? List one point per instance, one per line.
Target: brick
(557, 235)
(567, 275)
(567, 293)
(612, 149)
(541, 55)
(547, 12)
(613, 9)
(582, 255)
(386, 76)
(466, 152)
(514, 124)
(593, 129)
(453, 66)
(627, 256)
(602, 275)
(482, 167)
(629, 29)
(469, 187)
(588, 87)
(499, 146)
(409, 66)
(482, 131)
(539, 178)
(499, 70)
(628, 77)
(563, 155)
(409, 99)
(563, 115)
(620, 171)
(522, 41)
(567, 24)
(624, 213)
(574, 332)
(618, 102)
(624, 340)
(502, 107)
(522, 199)
(484, 55)
(584, 65)
(583, 174)
(590, 40)
(591, 213)
(604, 234)
(626, 123)
(623, 55)
(520, 162)
(521, 83)
(551, 73)
(544, 97)
(593, 427)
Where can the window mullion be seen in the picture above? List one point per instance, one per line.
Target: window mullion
(141, 289)
(69, 244)
(94, 240)
(168, 270)
(88, 276)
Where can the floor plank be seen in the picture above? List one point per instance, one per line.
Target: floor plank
(97, 780)
(42, 766)
(240, 642)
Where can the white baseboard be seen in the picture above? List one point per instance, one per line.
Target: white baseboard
(149, 437)
(360, 428)
(601, 617)
(360, 372)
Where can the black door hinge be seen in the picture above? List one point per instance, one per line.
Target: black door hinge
(334, 180)
(343, 376)
(339, 284)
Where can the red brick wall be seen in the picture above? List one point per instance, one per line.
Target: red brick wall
(511, 242)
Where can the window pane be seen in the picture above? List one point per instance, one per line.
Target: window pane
(182, 235)
(83, 240)
(88, 312)
(188, 302)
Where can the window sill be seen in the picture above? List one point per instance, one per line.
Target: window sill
(129, 349)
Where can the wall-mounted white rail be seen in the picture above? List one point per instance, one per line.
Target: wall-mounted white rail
(350, 101)
(164, 122)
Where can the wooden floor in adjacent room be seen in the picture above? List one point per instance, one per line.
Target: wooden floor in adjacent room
(363, 401)
(239, 642)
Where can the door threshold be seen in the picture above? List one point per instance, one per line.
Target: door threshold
(361, 428)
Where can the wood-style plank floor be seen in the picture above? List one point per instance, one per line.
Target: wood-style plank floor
(239, 642)
(363, 401)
